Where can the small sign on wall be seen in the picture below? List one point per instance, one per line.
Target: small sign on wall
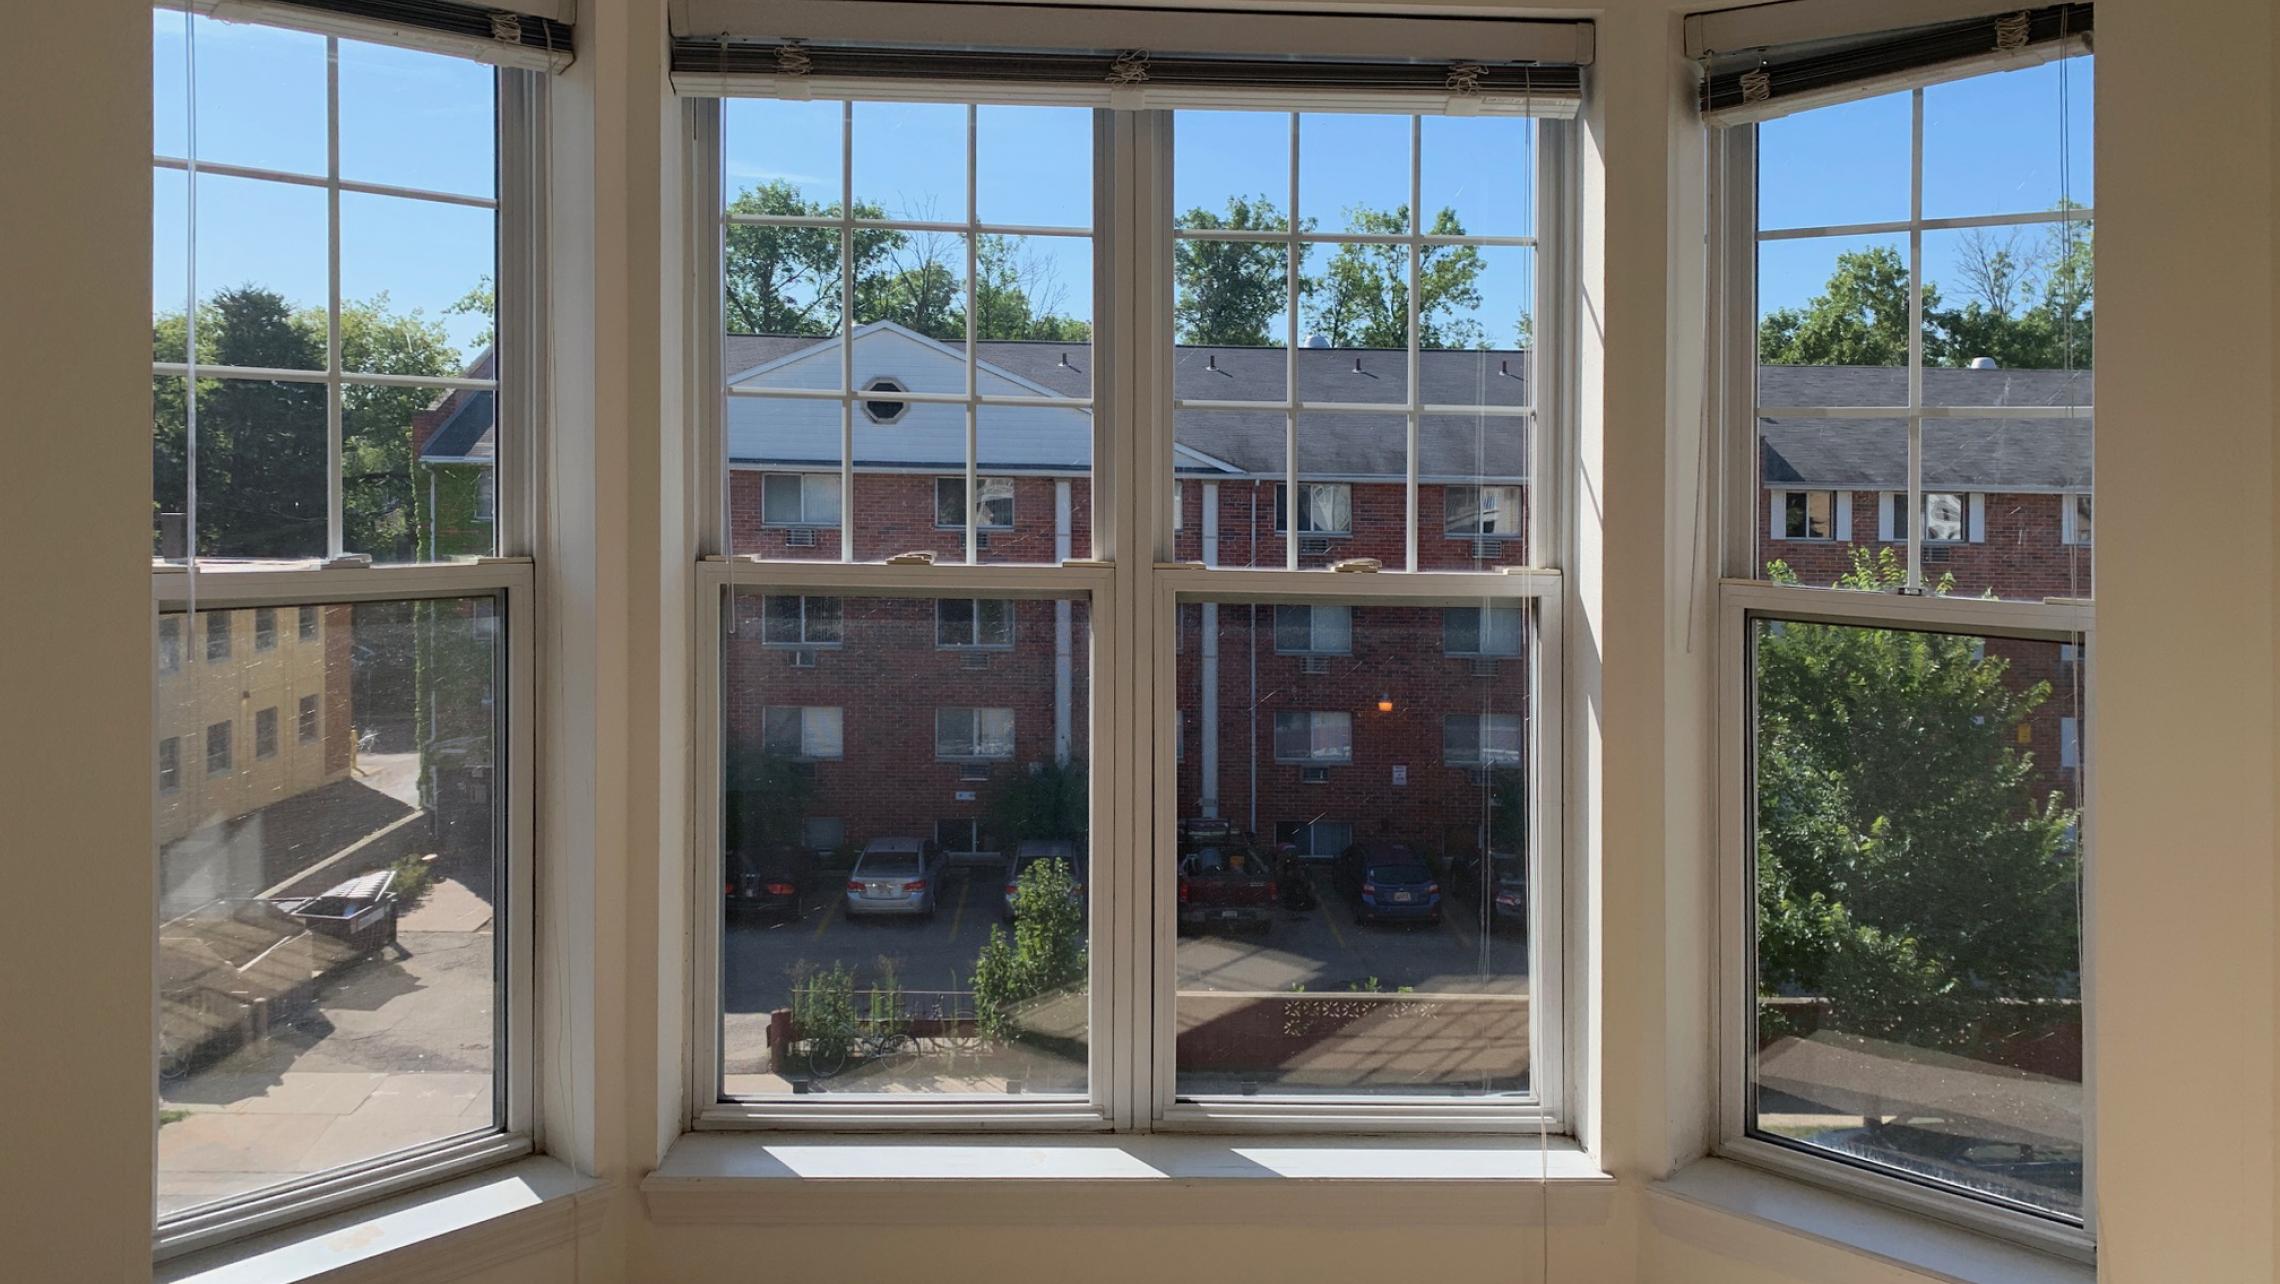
(1400, 775)
(964, 795)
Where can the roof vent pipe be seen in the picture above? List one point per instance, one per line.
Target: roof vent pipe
(1984, 363)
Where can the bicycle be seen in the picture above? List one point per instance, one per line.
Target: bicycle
(827, 1058)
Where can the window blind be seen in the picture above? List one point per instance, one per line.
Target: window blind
(1765, 80)
(510, 33)
(1128, 57)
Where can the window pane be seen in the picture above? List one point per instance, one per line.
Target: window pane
(1231, 307)
(329, 984)
(418, 470)
(446, 142)
(1833, 321)
(1836, 165)
(262, 273)
(1482, 171)
(1352, 899)
(1034, 165)
(910, 161)
(1821, 516)
(260, 92)
(413, 276)
(2015, 307)
(978, 983)
(261, 467)
(1991, 143)
(1033, 316)
(784, 155)
(1918, 927)
(2003, 484)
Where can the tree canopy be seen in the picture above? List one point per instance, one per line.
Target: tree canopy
(2027, 300)
(1907, 871)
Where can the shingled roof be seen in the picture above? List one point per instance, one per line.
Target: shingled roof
(1868, 454)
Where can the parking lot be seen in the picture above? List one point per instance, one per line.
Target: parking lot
(1314, 951)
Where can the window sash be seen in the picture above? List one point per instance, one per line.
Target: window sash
(807, 733)
(1482, 510)
(1324, 508)
(1489, 632)
(964, 734)
(1314, 630)
(973, 624)
(799, 499)
(1484, 739)
(1131, 1079)
(801, 621)
(1314, 737)
(992, 512)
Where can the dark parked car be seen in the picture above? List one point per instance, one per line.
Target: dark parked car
(1225, 880)
(769, 881)
(1498, 890)
(1033, 851)
(1388, 882)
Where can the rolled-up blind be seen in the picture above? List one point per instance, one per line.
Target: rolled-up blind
(510, 33)
(1127, 57)
(1751, 74)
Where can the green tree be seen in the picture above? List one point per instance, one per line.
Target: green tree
(1906, 870)
(766, 798)
(1227, 291)
(1362, 300)
(1018, 295)
(1859, 319)
(384, 493)
(785, 279)
(261, 443)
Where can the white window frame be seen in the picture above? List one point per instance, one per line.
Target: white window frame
(269, 713)
(1482, 755)
(308, 720)
(1133, 595)
(169, 774)
(1455, 528)
(265, 638)
(170, 647)
(1316, 721)
(1745, 599)
(228, 755)
(188, 589)
(809, 715)
(1840, 516)
(1312, 850)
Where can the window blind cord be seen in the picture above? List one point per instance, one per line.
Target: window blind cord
(190, 321)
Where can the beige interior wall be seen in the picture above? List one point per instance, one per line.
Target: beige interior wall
(2182, 910)
(76, 875)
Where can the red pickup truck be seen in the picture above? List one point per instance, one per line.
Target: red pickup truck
(1225, 879)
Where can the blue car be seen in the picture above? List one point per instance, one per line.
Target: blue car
(1387, 882)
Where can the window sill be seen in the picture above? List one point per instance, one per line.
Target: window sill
(436, 1233)
(1128, 1180)
(1699, 1205)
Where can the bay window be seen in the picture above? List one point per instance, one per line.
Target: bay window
(1905, 291)
(343, 356)
(1321, 318)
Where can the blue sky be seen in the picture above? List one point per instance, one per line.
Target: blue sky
(422, 120)
(1991, 146)
(407, 119)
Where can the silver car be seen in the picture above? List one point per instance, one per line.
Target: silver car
(894, 876)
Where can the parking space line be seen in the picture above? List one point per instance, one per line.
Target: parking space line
(1456, 926)
(1330, 920)
(830, 908)
(958, 915)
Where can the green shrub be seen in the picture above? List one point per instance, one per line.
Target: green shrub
(1046, 951)
(823, 1010)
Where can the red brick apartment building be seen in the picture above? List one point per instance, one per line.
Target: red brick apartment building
(909, 715)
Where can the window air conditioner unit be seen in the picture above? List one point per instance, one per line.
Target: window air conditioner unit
(982, 540)
(1313, 546)
(974, 771)
(1488, 546)
(1314, 775)
(977, 659)
(1314, 664)
(800, 537)
(1484, 666)
(803, 659)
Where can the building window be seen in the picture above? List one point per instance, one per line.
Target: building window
(486, 495)
(1907, 868)
(801, 621)
(1315, 738)
(1324, 508)
(1482, 631)
(973, 623)
(808, 734)
(2077, 517)
(376, 200)
(1806, 514)
(169, 646)
(992, 512)
(1482, 739)
(1470, 511)
(1314, 630)
(218, 749)
(973, 735)
(962, 836)
(882, 410)
(1315, 839)
(799, 499)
